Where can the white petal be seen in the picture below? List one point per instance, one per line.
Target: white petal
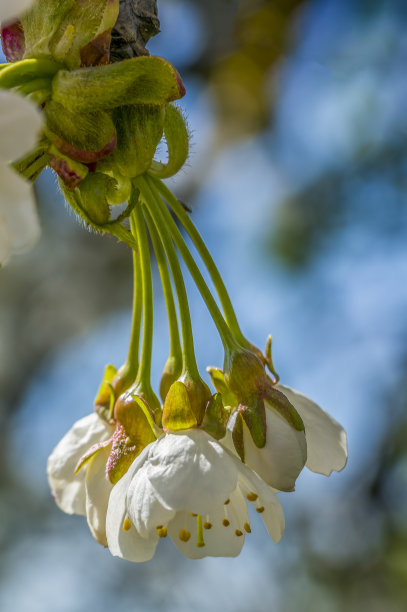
(190, 471)
(21, 123)
(267, 501)
(18, 213)
(144, 508)
(283, 457)
(326, 439)
(9, 9)
(220, 540)
(98, 488)
(127, 544)
(67, 488)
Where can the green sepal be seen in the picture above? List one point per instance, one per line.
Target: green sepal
(140, 80)
(218, 381)
(269, 359)
(84, 137)
(106, 396)
(177, 412)
(139, 130)
(244, 374)
(20, 73)
(90, 453)
(61, 29)
(216, 417)
(237, 436)
(254, 415)
(279, 402)
(150, 402)
(171, 373)
(177, 139)
(133, 433)
(198, 392)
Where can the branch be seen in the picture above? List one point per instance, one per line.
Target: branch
(136, 24)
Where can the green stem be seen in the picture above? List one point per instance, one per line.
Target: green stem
(188, 351)
(228, 340)
(175, 344)
(139, 227)
(132, 363)
(203, 251)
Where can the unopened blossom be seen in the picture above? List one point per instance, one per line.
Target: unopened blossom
(321, 447)
(20, 125)
(87, 491)
(187, 486)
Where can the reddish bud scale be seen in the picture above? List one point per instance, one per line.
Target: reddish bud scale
(13, 41)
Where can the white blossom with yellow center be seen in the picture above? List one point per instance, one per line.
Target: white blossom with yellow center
(187, 486)
(322, 447)
(87, 492)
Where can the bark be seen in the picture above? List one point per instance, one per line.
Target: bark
(136, 24)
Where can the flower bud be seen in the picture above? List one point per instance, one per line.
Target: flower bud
(139, 130)
(84, 137)
(12, 41)
(63, 29)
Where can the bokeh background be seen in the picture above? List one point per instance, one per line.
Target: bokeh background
(297, 180)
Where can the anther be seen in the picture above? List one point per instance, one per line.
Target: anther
(207, 525)
(238, 532)
(225, 523)
(260, 510)
(126, 524)
(247, 528)
(227, 502)
(184, 535)
(193, 514)
(128, 441)
(252, 497)
(162, 531)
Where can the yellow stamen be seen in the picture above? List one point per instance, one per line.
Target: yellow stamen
(184, 535)
(162, 531)
(126, 524)
(193, 514)
(128, 441)
(247, 528)
(207, 525)
(199, 532)
(225, 523)
(252, 497)
(260, 510)
(227, 502)
(238, 532)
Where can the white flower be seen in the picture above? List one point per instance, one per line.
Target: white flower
(185, 484)
(327, 448)
(20, 125)
(322, 447)
(9, 9)
(87, 492)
